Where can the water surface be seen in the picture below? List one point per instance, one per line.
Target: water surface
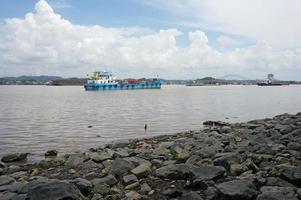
(36, 118)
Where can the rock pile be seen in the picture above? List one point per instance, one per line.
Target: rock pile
(257, 160)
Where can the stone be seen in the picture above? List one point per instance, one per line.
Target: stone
(129, 179)
(16, 187)
(74, 160)
(121, 153)
(193, 160)
(121, 143)
(14, 157)
(83, 185)
(101, 188)
(205, 173)
(121, 167)
(161, 151)
(237, 169)
(191, 196)
(109, 180)
(132, 186)
(5, 180)
(98, 157)
(275, 181)
(145, 188)
(132, 195)
(175, 171)
(226, 159)
(299, 193)
(51, 153)
(237, 189)
(172, 192)
(142, 170)
(54, 190)
(277, 193)
(292, 175)
(7, 195)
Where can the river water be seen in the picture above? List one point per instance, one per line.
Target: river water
(37, 118)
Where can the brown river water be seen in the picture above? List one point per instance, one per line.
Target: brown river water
(37, 118)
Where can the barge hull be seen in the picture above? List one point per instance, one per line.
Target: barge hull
(122, 87)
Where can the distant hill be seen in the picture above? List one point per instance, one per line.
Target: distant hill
(32, 78)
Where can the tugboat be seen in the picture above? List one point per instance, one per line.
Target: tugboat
(271, 82)
(104, 80)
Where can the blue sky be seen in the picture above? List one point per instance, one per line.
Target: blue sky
(116, 13)
(180, 39)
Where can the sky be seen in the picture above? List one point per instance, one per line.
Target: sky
(172, 39)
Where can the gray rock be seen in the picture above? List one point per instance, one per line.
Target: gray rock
(129, 179)
(83, 185)
(75, 160)
(226, 159)
(142, 170)
(292, 175)
(121, 153)
(98, 157)
(16, 187)
(191, 196)
(277, 193)
(145, 188)
(205, 173)
(54, 190)
(237, 169)
(132, 195)
(109, 180)
(299, 193)
(193, 160)
(121, 167)
(237, 190)
(14, 157)
(275, 181)
(51, 153)
(5, 180)
(7, 195)
(121, 143)
(175, 171)
(101, 189)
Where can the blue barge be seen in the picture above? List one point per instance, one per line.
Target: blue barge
(105, 81)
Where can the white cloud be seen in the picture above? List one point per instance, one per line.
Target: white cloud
(45, 43)
(226, 41)
(274, 21)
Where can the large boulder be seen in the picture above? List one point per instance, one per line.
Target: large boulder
(205, 173)
(121, 167)
(54, 190)
(174, 171)
(83, 185)
(191, 196)
(14, 157)
(51, 153)
(292, 175)
(4, 180)
(237, 190)
(142, 170)
(226, 159)
(109, 180)
(277, 193)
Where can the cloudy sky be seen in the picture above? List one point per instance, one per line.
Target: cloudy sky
(133, 38)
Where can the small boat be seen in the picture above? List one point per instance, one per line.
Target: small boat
(104, 80)
(271, 82)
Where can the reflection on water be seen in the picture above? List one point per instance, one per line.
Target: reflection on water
(37, 118)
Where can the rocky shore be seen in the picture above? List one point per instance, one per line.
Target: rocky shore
(256, 160)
